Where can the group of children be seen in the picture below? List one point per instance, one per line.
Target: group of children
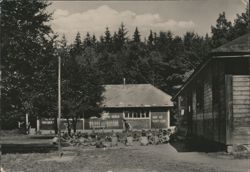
(163, 136)
(151, 137)
(127, 137)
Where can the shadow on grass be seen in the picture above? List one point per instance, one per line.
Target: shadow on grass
(197, 145)
(42, 137)
(27, 148)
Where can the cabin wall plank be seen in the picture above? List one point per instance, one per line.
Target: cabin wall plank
(229, 108)
(241, 109)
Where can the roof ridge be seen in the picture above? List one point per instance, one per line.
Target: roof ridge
(125, 84)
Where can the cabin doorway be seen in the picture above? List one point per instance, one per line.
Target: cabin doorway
(189, 114)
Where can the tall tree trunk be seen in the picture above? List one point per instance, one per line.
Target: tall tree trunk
(74, 122)
(55, 125)
(68, 126)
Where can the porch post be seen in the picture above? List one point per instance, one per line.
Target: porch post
(168, 118)
(150, 120)
(37, 125)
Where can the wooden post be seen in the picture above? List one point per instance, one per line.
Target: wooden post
(179, 106)
(150, 119)
(37, 124)
(27, 123)
(27, 120)
(59, 106)
(83, 125)
(168, 118)
(229, 107)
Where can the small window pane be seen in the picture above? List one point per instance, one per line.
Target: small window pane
(126, 114)
(130, 115)
(143, 114)
(137, 114)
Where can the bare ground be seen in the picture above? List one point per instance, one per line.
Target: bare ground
(159, 158)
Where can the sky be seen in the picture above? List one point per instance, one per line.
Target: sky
(178, 16)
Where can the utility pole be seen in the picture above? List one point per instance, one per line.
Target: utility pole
(59, 107)
(1, 120)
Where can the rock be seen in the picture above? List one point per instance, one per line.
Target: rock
(55, 140)
(106, 144)
(129, 141)
(241, 148)
(156, 140)
(144, 141)
(99, 144)
(114, 141)
(81, 140)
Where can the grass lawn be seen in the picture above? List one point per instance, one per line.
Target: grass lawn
(153, 158)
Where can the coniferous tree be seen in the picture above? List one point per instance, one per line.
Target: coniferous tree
(150, 39)
(82, 93)
(121, 36)
(136, 36)
(241, 24)
(221, 32)
(93, 40)
(26, 57)
(87, 42)
(115, 42)
(107, 36)
(77, 46)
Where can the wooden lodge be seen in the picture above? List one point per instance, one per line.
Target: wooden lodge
(214, 102)
(142, 105)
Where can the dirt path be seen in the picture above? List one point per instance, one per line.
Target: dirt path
(195, 161)
(160, 158)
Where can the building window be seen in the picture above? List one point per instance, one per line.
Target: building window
(94, 124)
(114, 116)
(126, 114)
(104, 123)
(130, 115)
(112, 123)
(143, 115)
(136, 114)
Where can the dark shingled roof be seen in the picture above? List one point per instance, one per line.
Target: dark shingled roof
(135, 95)
(238, 45)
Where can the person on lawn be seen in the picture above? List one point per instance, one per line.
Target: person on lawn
(127, 126)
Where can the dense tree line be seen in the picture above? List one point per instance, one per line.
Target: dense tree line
(29, 61)
(162, 59)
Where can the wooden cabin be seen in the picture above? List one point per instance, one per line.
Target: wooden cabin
(214, 102)
(142, 105)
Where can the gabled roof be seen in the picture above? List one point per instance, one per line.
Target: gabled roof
(239, 47)
(135, 95)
